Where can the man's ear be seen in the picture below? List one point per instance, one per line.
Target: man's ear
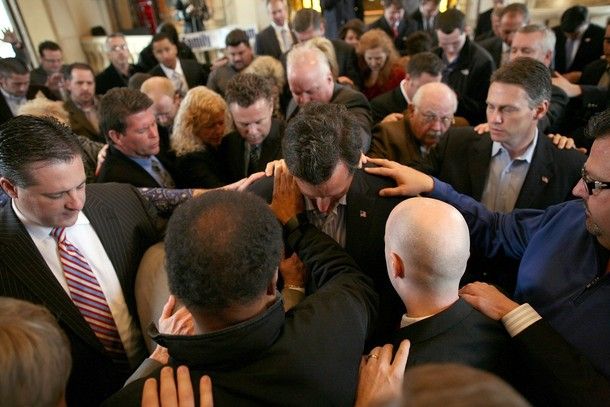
(398, 268)
(9, 187)
(115, 136)
(541, 109)
(272, 287)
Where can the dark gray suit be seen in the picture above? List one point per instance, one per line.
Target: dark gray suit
(194, 73)
(126, 228)
(267, 43)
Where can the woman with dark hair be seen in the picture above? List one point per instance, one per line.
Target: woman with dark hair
(352, 31)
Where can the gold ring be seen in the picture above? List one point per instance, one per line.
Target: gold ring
(372, 355)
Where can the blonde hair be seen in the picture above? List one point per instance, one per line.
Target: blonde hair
(158, 85)
(372, 39)
(35, 358)
(197, 109)
(40, 106)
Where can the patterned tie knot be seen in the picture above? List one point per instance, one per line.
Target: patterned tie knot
(59, 234)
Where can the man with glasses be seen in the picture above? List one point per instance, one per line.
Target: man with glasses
(564, 252)
(428, 117)
(120, 70)
(51, 71)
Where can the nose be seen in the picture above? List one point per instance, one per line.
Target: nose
(494, 116)
(437, 124)
(301, 100)
(75, 200)
(323, 204)
(580, 190)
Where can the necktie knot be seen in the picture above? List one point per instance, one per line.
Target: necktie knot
(59, 234)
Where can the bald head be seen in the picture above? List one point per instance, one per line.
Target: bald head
(431, 241)
(309, 75)
(162, 92)
(431, 113)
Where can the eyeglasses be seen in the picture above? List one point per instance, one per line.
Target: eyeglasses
(119, 48)
(430, 118)
(593, 187)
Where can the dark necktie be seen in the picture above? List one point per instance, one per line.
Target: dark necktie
(166, 179)
(254, 158)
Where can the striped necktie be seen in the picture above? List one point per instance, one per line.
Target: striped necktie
(87, 295)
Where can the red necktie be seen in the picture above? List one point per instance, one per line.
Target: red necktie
(87, 295)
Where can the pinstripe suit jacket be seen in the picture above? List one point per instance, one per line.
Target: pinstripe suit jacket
(126, 227)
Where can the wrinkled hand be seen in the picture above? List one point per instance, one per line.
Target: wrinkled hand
(482, 128)
(409, 182)
(272, 165)
(293, 271)
(287, 199)
(180, 395)
(572, 90)
(179, 322)
(487, 299)
(381, 380)
(101, 157)
(393, 117)
(244, 183)
(9, 36)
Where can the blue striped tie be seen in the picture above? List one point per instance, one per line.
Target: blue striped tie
(87, 295)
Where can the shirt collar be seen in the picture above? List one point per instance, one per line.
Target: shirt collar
(402, 90)
(170, 72)
(527, 155)
(279, 27)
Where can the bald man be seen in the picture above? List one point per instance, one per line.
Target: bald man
(428, 117)
(310, 80)
(165, 105)
(427, 246)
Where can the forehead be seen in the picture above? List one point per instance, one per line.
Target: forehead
(335, 186)
(529, 40)
(49, 53)
(598, 165)
(237, 49)
(261, 107)
(139, 119)
(434, 103)
(276, 5)
(82, 75)
(15, 77)
(112, 41)
(506, 94)
(452, 36)
(306, 76)
(53, 176)
(374, 52)
(162, 44)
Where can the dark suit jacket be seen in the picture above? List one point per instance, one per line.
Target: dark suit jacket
(469, 78)
(194, 73)
(119, 168)
(233, 151)
(418, 17)
(147, 60)
(462, 159)
(267, 43)
(111, 78)
(365, 220)
(389, 102)
(592, 73)
(5, 111)
(126, 228)
(591, 48)
(405, 28)
(483, 23)
(459, 334)
(80, 124)
(493, 45)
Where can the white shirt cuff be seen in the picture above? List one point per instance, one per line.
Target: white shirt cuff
(520, 318)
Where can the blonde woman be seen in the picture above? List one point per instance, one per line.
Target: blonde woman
(200, 125)
(378, 62)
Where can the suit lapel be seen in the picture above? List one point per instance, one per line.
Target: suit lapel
(360, 203)
(539, 174)
(27, 265)
(479, 156)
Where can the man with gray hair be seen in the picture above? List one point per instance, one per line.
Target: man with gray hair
(36, 360)
(117, 74)
(440, 326)
(310, 80)
(428, 117)
(512, 17)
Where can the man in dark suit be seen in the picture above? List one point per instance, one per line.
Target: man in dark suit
(52, 69)
(440, 326)
(468, 66)
(340, 198)
(395, 23)
(278, 37)
(307, 24)
(257, 138)
(512, 17)
(42, 172)
(184, 73)
(130, 127)
(116, 74)
(579, 42)
(423, 67)
(310, 80)
(514, 165)
(82, 104)
(484, 20)
(425, 15)
(15, 88)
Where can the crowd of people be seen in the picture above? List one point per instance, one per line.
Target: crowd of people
(405, 213)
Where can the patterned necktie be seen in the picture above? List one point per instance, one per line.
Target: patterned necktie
(87, 295)
(166, 179)
(255, 156)
(569, 52)
(179, 83)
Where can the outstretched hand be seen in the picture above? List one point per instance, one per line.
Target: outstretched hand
(180, 395)
(409, 182)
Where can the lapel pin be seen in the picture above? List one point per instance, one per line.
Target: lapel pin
(465, 72)
(545, 179)
(363, 214)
